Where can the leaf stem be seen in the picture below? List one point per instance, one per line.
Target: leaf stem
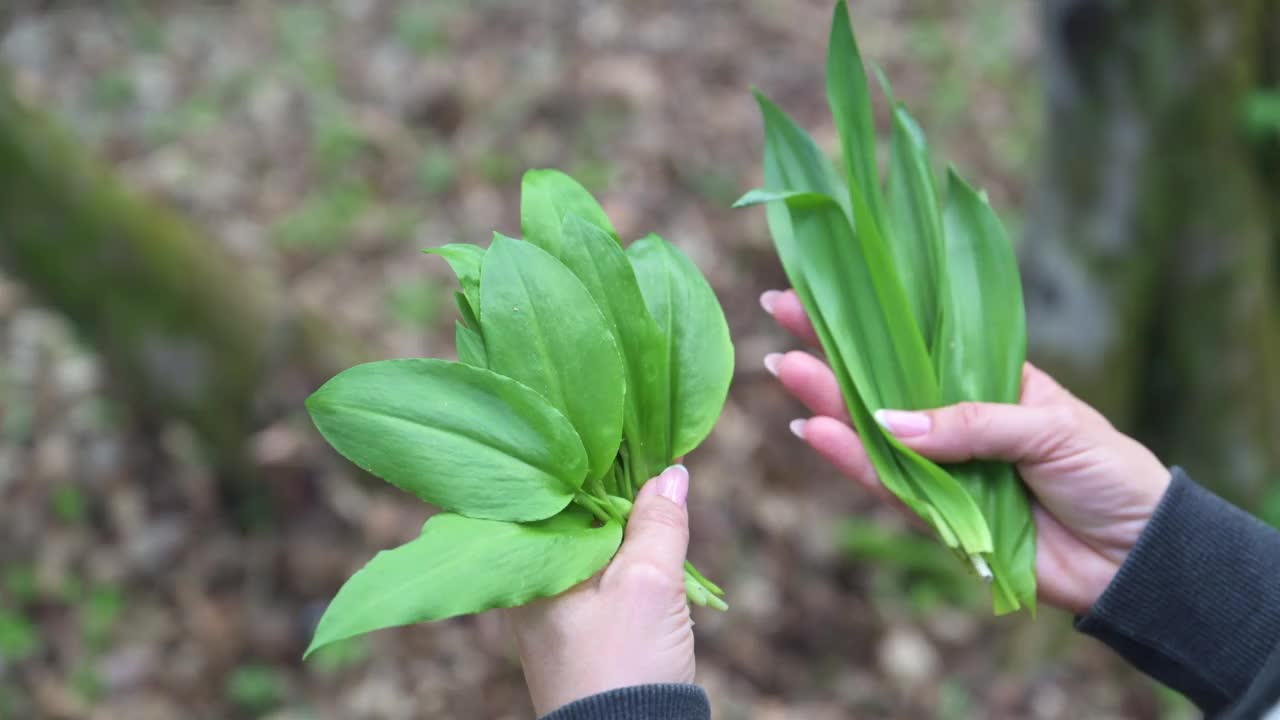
(593, 505)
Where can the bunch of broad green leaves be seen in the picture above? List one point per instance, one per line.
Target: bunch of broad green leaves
(917, 302)
(584, 369)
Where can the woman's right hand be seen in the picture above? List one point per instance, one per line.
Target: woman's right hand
(1094, 488)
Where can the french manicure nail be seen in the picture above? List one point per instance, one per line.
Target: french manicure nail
(768, 299)
(797, 427)
(904, 424)
(673, 484)
(771, 363)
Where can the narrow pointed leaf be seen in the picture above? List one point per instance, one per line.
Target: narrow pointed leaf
(889, 466)
(698, 349)
(862, 304)
(542, 328)
(851, 107)
(460, 565)
(460, 437)
(916, 223)
(602, 266)
(983, 348)
(546, 198)
(798, 164)
(986, 331)
(470, 346)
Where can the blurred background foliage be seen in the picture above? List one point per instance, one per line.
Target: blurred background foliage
(207, 208)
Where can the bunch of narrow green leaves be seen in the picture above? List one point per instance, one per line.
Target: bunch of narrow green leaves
(917, 303)
(584, 369)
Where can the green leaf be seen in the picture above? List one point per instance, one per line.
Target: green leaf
(599, 262)
(799, 165)
(851, 107)
(463, 438)
(547, 197)
(461, 565)
(542, 328)
(983, 348)
(696, 338)
(916, 223)
(985, 329)
(814, 243)
(852, 285)
(465, 259)
(467, 312)
(470, 346)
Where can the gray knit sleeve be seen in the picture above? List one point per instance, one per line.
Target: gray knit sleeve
(640, 702)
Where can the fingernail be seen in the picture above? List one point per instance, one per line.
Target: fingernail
(903, 423)
(771, 363)
(797, 427)
(768, 299)
(673, 484)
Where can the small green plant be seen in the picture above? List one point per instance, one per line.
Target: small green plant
(259, 688)
(917, 303)
(584, 370)
(18, 637)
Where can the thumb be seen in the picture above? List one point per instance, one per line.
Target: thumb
(657, 532)
(984, 431)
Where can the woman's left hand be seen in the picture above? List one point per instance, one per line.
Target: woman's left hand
(628, 625)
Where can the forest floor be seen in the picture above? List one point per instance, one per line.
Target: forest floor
(322, 145)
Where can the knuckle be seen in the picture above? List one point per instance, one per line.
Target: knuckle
(643, 577)
(971, 417)
(665, 516)
(1067, 419)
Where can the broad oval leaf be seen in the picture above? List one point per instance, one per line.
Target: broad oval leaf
(598, 261)
(547, 197)
(542, 328)
(696, 339)
(460, 437)
(461, 565)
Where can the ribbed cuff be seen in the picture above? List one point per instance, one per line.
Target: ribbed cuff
(639, 702)
(1197, 603)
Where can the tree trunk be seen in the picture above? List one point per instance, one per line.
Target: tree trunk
(1147, 263)
(184, 332)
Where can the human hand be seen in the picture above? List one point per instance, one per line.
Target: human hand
(1094, 488)
(628, 625)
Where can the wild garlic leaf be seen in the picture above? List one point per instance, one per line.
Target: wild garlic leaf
(851, 107)
(462, 438)
(696, 339)
(599, 262)
(542, 328)
(470, 346)
(467, 311)
(916, 222)
(982, 352)
(461, 565)
(547, 197)
(465, 260)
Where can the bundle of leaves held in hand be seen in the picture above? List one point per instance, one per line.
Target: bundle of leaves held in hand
(916, 301)
(584, 369)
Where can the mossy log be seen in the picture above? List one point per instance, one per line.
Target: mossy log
(1147, 254)
(184, 331)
